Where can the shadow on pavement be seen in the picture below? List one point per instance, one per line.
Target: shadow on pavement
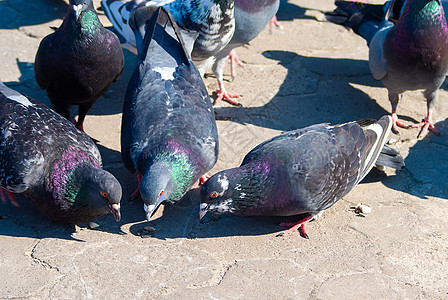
(18, 13)
(296, 104)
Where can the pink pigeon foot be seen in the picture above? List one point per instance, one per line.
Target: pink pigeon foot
(274, 23)
(7, 195)
(396, 123)
(226, 96)
(234, 60)
(427, 124)
(295, 226)
(137, 191)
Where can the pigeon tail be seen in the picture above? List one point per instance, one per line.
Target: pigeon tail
(390, 158)
(380, 130)
(363, 18)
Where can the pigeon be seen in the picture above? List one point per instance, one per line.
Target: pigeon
(213, 20)
(169, 136)
(251, 16)
(78, 62)
(410, 54)
(304, 171)
(53, 164)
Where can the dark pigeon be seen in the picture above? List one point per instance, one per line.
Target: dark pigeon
(251, 17)
(408, 54)
(213, 20)
(46, 159)
(79, 61)
(304, 171)
(169, 136)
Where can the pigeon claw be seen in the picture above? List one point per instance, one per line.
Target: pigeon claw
(301, 224)
(227, 97)
(234, 60)
(425, 125)
(396, 123)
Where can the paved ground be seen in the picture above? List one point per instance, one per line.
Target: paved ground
(311, 71)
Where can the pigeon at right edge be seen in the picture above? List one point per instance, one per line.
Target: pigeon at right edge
(410, 54)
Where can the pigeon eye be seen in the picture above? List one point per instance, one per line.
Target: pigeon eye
(104, 194)
(161, 193)
(214, 195)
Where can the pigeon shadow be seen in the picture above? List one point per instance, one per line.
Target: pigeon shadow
(426, 166)
(181, 220)
(298, 102)
(19, 13)
(289, 11)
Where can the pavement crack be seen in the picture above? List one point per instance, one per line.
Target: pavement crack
(40, 261)
(81, 279)
(226, 269)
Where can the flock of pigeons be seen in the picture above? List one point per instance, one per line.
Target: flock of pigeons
(169, 137)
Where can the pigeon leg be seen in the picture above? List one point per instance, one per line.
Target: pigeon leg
(295, 226)
(8, 195)
(395, 122)
(137, 191)
(82, 112)
(234, 60)
(226, 96)
(274, 23)
(201, 181)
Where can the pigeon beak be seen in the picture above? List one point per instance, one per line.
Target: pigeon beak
(115, 210)
(203, 209)
(77, 9)
(149, 209)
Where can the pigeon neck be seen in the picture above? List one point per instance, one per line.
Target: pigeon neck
(179, 161)
(423, 27)
(254, 180)
(87, 23)
(66, 174)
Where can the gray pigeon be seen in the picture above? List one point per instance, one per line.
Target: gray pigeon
(169, 136)
(410, 54)
(304, 171)
(46, 159)
(78, 62)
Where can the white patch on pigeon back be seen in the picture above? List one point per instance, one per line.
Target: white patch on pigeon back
(21, 99)
(222, 180)
(165, 72)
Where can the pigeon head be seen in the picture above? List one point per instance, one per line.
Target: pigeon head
(156, 187)
(79, 6)
(101, 191)
(217, 193)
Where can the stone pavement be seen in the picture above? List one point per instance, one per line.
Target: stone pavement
(309, 72)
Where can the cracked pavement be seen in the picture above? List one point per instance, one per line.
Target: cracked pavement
(308, 72)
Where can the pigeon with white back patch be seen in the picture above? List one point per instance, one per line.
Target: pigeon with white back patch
(169, 137)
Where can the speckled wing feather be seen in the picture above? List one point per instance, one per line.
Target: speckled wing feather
(324, 162)
(30, 137)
